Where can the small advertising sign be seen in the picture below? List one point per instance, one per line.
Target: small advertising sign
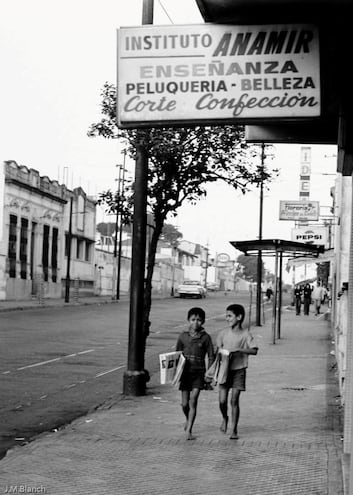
(310, 235)
(223, 258)
(217, 73)
(299, 210)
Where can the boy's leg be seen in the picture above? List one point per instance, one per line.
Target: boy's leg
(235, 412)
(185, 399)
(194, 396)
(223, 406)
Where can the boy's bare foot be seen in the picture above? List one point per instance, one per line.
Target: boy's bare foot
(234, 436)
(190, 436)
(224, 425)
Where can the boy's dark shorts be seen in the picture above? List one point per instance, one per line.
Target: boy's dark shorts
(236, 379)
(191, 380)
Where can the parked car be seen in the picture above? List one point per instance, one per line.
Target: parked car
(192, 289)
(212, 286)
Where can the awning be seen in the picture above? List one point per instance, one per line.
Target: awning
(269, 247)
(328, 255)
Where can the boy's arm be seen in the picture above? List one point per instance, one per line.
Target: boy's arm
(251, 347)
(250, 350)
(210, 351)
(179, 345)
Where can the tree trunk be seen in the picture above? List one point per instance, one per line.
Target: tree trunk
(156, 233)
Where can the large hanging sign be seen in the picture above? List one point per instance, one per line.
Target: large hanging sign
(213, 73)
(299, 210)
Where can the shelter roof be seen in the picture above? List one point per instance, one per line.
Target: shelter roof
(270, 247)
(229, 11)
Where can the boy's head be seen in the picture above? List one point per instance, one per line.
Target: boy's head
(238, 310)
(197, 312)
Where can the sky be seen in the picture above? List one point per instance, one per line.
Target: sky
(55, 58)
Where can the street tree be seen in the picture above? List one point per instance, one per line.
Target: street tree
(171, 234)
(182, 161)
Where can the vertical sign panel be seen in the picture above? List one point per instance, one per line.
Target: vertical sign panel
(305, 171)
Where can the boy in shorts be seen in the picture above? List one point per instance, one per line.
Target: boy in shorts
(240, 343)
(195, 344)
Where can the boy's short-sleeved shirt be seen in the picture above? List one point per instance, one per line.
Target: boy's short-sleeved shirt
(232, 340)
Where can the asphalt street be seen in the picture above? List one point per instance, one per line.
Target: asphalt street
(59, 363)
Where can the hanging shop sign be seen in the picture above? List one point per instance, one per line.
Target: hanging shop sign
(217, 73)
(299, 210)
(311, 235)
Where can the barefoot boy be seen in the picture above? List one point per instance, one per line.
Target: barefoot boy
(195, 344)
(239, 342)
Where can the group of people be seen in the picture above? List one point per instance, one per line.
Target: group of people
(195, 344)
(307, 295)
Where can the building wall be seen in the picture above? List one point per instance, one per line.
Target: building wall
(340, 273)
(106, 274)
(35, 223)
(83, 229)
(165, 276)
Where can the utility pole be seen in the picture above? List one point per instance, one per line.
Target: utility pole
(135, 375)
(117, 215)
(259, 255)
(206, 267)
(121, 192)
(69, 240)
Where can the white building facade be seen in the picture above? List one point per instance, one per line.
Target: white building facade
(35, 233)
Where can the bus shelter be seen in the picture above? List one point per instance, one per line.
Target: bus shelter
(279, 249)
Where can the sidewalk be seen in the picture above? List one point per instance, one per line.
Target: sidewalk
(14, 305)
(290, 434)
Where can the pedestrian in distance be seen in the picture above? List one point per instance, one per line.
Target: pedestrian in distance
(240, 344)
(317, 297)
(195, 344)
(298, 298)
(269, 293)
(307, 298)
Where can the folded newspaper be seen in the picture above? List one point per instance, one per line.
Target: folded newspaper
(171, 367)
(218, 371)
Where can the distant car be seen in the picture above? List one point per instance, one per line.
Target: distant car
(212, 286)
(192, 289)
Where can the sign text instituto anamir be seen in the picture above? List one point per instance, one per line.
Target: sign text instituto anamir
(196, 73)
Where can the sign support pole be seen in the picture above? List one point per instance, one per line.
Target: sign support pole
(259, 255)
(135, 376)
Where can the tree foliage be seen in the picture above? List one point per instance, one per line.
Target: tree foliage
(171, 234)
(182, 161)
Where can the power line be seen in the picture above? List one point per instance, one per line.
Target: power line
(165, 11)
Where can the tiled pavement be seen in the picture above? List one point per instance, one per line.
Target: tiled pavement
(290, 434)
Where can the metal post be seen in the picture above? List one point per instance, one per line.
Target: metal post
(250, 306)
(206, 268)
(69, 240)
(120, 232)
(280, 295)
(135, 377)
(259, 256)
(274, 307)
(114, 278)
